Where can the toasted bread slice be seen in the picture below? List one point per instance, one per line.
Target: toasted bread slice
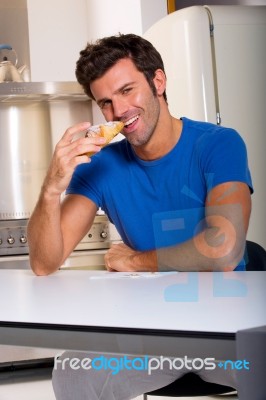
(108, 131)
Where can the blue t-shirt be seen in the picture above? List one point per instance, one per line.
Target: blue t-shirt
(158, 203)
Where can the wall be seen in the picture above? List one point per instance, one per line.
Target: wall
(48, 35)
(107, 17)
(57, 30)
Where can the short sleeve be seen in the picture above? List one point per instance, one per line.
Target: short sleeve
(223, 158)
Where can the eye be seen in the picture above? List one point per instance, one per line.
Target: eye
(105, 103)
(126, 90)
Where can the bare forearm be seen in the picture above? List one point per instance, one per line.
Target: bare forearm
(205, 252)
(218, 247)
(44, 235)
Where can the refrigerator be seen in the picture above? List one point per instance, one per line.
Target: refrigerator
(215, 63)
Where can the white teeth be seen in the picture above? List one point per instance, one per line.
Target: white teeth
(131, 120)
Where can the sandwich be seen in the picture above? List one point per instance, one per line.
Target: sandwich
(108, 130)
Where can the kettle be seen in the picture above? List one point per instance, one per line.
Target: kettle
(9, 71)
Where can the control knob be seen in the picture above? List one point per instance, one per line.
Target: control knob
(23, 239)
(10, 240)
(103, 234)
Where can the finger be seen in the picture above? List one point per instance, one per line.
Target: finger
(74, 154)
(107, 265)
(106, 261)
(86, 145)
(74, 130)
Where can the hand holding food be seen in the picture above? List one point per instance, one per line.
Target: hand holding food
(70, 152)
(108, 130)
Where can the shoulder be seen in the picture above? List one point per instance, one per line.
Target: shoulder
(209, 137)
(206, 130)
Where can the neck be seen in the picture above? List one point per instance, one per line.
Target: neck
(163, 140)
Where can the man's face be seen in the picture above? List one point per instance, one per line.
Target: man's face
(123, 93)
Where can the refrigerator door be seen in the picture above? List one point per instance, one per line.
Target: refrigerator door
(240, 56)
(215, 62)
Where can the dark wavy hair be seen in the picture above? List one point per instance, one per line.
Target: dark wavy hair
(97, 58)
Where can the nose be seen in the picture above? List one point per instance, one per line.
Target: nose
(120, 107)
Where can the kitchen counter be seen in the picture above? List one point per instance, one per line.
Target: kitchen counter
(197, 314)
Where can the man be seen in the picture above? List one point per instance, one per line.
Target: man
(164, 166)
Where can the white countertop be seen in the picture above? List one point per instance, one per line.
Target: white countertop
(197, 302)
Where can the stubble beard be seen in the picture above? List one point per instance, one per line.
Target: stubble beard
(152, 120)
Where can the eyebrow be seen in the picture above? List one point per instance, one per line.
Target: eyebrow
(119, 90)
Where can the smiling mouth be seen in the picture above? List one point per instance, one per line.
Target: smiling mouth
(131, 121)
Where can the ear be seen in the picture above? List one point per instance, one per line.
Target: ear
(159, 81)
